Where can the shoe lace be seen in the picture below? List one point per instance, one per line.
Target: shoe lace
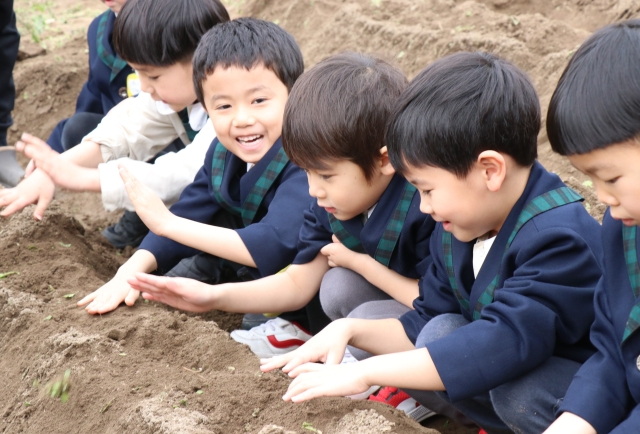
(270, 327)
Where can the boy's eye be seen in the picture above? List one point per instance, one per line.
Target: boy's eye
(612, 180)
(325, 177)
(153, 78)
(223, 107)
(425, 192)
(259, 100)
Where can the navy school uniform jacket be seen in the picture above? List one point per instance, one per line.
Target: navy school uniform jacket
(543, 302)
(410, 258)
(271, 238)
(100, 93)
(606, 390)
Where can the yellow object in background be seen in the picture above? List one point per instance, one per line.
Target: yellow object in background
(133, 85)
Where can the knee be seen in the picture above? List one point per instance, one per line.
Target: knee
(333, 293)
(439, 327)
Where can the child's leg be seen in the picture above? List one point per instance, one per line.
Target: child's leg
(78, 126)
(528, 404)
(342, 291)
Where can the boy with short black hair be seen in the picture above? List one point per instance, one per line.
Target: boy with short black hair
(502, 321)
(594, 119)
(246, 204)
(334, 128)
(157, 38)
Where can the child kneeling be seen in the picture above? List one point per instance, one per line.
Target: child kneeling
(502, 321)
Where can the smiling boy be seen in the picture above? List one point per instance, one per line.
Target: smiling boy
(245, 206)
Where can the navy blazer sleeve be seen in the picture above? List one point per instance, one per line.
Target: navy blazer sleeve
(548, 298)
(314, 234)
(195, 204)
(599, 393)
(273, 233)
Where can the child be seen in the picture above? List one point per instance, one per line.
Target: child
(334, 129)
(110, 81)
(502, 321)
(245, 206)
(139, 127)
(594, 119)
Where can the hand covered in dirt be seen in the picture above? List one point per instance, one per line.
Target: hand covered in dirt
(38, 189)
(109, 296)
(328, 347)
(64, 173)
(148, 205)
(338, 255)
(178, 292)
(313, 380)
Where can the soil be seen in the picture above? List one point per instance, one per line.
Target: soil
(150, 368)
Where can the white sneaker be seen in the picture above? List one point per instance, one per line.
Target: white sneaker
(273, 338)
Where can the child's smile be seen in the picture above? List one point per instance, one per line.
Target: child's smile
(246, 108)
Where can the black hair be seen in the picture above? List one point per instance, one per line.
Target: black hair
(597, 101)
(460, 106)
(246, 43)
(338, 111)
(164, 32)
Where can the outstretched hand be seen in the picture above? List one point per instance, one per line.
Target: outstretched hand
(148, 205)
(313, 380)
(38, 189)
(178, 292)
(328, 347)
(109, 296)
(62, 172)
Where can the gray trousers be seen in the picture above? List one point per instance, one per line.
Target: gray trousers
(524, 405)
(346, 294)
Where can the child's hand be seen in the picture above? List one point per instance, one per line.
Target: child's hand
(38, 189)
(328, 347)
(313, 380)
(178, 292)
(109, 296)
(338, 255)
(62, 172)
(148, 205)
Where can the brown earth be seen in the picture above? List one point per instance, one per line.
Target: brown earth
(141, 369)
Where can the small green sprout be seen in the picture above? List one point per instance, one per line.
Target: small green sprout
(59, 389)
(64, 245)
(7, 274)
(68, 296)
(309, 427)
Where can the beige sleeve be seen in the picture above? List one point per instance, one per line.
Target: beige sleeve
(167, 177)
(136, 130)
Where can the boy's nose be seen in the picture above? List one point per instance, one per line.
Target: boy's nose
(606, 198)
(243, 119)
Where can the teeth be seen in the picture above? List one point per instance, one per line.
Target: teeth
(249, 138)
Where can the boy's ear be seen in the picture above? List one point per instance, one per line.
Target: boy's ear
(493, 169)
(385, 164)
